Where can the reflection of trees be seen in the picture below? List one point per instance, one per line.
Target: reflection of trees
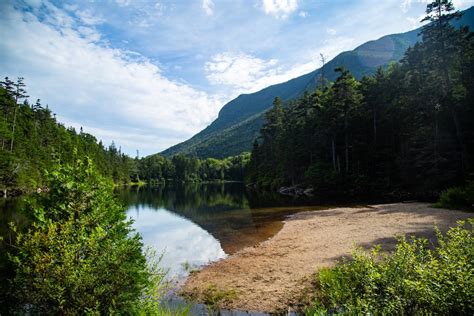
(221, 209)
(189, 198)
(228, 211)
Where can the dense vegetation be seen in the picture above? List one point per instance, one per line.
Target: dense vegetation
(460, 197)
(414, 280)
(240, 120)
(79, 254)
(181, 168)
(31, 139)
(408, 127)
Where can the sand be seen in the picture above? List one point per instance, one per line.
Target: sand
(273, 275)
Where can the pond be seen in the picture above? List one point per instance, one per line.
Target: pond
(192, 225)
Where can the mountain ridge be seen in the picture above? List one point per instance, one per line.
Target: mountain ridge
(239, 121)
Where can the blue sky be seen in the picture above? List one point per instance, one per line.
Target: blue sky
(151, 73)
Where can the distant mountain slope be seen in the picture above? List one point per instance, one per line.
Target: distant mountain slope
(239, 121)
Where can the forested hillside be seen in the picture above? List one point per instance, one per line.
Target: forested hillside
(407, 127)
(31, 139)
(240, 120)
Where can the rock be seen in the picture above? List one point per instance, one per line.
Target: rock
(293, 191)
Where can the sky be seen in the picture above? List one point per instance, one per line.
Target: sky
(148, 74)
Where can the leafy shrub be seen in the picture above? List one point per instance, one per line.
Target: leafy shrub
(458, 197)
(412, 280)
(80, 254)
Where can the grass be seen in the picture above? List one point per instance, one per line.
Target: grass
(213, 297)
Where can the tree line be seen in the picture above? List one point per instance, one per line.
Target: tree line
(407, 127)
(32, 140)
(182, 168)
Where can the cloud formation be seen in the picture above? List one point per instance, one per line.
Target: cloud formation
(406, 4)
(279, 8)
(208, 6)
(89, 82)
(151, 73)
(244, 73)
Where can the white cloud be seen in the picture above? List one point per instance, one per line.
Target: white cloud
(415, 22)
(208, 6)
(88, 18)
(406, 4)
(112, 92)
(331, 31)
(463, 4)
(279, 8)
(303, 14)
(458, 4)
(123, 3)
(240, 71)
(243, 73)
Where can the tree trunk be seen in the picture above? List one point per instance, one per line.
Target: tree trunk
(346, 142)
(464, 163)
(13, 129)
(333, 152)
(436, 144)
(375, 126)
(338, 164)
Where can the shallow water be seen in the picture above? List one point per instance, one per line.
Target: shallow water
(182, 244)
(193, 225)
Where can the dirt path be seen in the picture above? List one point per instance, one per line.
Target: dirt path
(272, 275)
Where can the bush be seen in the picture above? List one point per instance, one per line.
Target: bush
(458, 197)
(412, 280)
(80, 254)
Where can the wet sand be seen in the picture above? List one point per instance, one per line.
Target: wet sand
(273, 275)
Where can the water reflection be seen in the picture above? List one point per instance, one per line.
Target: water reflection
(184, 244)
(196, 224)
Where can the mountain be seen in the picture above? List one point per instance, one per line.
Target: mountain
(239, 121)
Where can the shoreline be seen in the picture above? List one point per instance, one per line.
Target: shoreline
(275, 275)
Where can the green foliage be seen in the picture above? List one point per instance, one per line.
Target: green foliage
(39, 139)
(408, 127)
(240, 120)
(457, 197)
(31, 138)
(412, 280)
(80, 254)
(181, 168)
(214, 298)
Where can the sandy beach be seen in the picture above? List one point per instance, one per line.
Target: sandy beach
(273, 275)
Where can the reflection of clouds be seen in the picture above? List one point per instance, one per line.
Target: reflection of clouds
(182, 241)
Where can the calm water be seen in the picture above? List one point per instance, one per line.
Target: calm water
(193, 225)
